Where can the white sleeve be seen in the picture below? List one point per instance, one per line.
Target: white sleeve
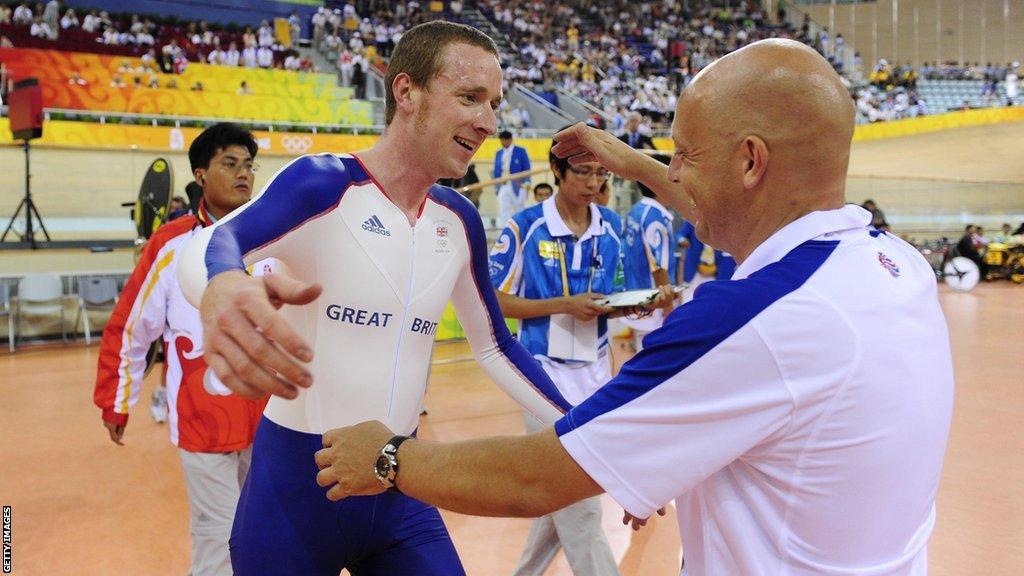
(498, 352)
(305, 189)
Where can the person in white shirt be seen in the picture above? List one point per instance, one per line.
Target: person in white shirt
(1012, 82)
(345, 66)
(249, 57)
(292, 62)
(265, 35)
(795, 436)
(22, 15)
(265, 57)
(90, 22)
(215, 57)
(355, 44)
(69, 20)
(232, 56)
(51, 15)
(148, 60)
(40, 29)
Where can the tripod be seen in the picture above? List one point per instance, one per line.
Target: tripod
(30, 208)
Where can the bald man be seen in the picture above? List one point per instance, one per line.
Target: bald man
(794, 435)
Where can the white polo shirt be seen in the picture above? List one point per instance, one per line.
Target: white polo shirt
(798, 413)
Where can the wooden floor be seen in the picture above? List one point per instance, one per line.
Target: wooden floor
(83, 506)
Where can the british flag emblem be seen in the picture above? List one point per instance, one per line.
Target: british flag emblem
(889, 265)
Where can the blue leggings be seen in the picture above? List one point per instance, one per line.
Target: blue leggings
(286, 525)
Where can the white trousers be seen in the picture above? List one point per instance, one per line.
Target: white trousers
(214, 483)
(510, 201)
(577, 527)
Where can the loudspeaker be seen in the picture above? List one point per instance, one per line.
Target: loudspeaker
(25, 109)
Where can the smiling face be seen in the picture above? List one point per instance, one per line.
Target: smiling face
(456, 111)
(705, 167)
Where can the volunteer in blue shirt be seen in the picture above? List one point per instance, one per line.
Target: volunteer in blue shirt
(647, 257)
(551, 266)
(693, 250)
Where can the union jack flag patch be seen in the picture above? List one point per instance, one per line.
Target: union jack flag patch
(889, 265)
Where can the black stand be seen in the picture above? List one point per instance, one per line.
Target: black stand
(30, 209)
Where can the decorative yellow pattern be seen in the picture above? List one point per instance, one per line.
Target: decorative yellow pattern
(277, 95)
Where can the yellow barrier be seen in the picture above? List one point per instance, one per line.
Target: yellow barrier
(159, 138)
(937, 122)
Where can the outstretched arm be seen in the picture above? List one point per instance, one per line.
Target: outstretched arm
(519, 476)
(581, 143)
(248, 343)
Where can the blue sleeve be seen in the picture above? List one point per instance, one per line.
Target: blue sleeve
(503, 262)
(660, 239)
(507, 345)
(302, 190)
(526, 163)
(496, 171)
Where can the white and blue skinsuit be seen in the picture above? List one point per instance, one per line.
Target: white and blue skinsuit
(386, 285)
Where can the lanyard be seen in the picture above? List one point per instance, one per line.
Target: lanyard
(564, 269)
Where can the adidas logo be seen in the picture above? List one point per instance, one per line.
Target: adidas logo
(373, 224)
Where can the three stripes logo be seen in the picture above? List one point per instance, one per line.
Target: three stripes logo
(373, 224)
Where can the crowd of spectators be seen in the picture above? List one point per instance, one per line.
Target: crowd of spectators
(621, 56)
(360, 34)
(891, 91)
(171, 45)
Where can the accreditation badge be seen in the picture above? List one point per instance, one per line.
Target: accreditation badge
(547, 249)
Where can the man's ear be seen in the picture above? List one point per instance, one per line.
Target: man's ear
(405, 92)
(755, 160)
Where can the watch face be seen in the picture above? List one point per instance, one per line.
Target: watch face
(382, 467)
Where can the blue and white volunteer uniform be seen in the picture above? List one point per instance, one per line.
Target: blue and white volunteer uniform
(538, 257)
(648, 247)
(796, 436)
(725, 264)
(385, 285)
(529, 258)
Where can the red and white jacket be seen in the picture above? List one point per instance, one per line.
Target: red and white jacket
(203, 415)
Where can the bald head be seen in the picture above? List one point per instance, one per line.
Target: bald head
(785, 93)
(762, 137)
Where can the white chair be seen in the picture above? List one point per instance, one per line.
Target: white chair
(94, 294)
(41, 295)
(5, 310)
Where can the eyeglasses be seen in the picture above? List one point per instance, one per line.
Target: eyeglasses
(586, 173)
(236, 167)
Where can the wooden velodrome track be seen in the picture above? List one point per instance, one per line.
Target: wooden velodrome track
(82, 505)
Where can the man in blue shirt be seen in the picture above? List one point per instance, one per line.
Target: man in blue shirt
(648, 258)
(551, 266)
(693, 251)
(510, 159)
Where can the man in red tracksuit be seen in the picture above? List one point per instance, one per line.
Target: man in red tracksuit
(212, 428)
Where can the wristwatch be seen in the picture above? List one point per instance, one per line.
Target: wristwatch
(386, 466)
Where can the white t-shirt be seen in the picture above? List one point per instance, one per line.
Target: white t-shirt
(798, 413)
